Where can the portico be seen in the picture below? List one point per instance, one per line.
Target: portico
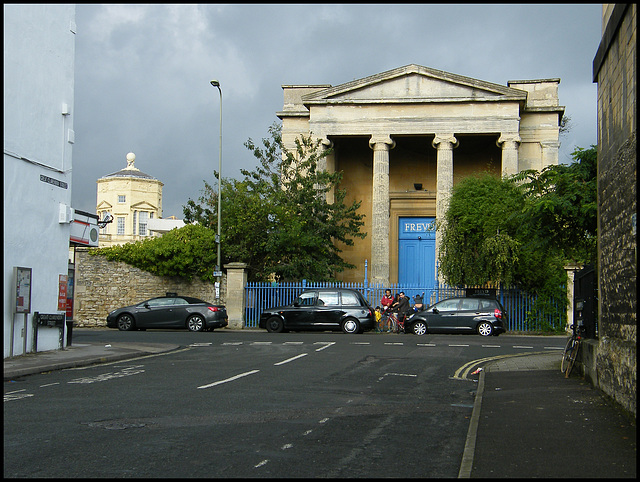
(403, 138)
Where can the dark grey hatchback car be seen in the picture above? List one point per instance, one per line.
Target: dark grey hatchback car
(484, 316)
(321, 309)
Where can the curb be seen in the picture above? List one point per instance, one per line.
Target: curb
(82, 361)
(470, 445)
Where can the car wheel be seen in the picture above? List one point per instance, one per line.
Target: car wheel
(419, 328)
(275, 325)
(126, 323)
(195, 323)
(350, 325)
(485, 328)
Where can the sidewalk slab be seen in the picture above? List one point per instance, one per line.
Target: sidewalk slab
(78, 355)
(537, 423)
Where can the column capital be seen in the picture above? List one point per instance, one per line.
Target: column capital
(326, 143)
(386, 142)
(550, 144)
(508, 137)
(444, 141)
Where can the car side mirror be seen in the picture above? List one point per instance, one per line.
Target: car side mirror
(435, 310)
(296, 303)
(146, 305)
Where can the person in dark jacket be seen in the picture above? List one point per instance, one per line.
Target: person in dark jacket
(402, 306)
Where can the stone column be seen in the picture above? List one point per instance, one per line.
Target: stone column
(324, 164)
(444, 143)
(509, 144)
(380, 209)
(549, 153)
(325, 145)
(235, 301)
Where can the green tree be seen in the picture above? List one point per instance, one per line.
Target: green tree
(478, 243)
(277, 219)
(561, 211)
(522, 230)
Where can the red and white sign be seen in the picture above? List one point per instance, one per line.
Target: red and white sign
(62, 292)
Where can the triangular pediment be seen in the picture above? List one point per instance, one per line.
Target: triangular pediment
(104, 206)
(414, 83)
(144, 205)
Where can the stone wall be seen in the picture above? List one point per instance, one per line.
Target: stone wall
(102, 285)
(616, 358)
(615, 73)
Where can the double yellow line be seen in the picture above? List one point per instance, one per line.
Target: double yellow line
(463, 372)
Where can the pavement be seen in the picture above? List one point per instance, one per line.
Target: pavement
(528, 420)
(79, 355)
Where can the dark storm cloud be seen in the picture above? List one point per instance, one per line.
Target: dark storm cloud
(143, 72)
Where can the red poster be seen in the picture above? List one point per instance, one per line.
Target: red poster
(62, 292)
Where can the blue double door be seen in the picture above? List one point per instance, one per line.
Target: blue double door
(417, 252)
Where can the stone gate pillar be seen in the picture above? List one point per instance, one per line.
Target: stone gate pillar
(381, 146)
(509, 145)
(235, 301)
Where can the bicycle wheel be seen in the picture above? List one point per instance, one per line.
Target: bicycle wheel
(565, 355)
(394, 324)
(572, 358)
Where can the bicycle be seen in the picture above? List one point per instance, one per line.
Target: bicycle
(397, 325)
(571, 350)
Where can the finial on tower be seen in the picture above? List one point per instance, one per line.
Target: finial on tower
(131, 157)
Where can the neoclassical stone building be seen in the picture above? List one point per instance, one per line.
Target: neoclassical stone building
(404, 137)
(133, 198)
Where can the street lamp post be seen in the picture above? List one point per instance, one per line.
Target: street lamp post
(216, 84)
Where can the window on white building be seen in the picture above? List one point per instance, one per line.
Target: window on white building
(122, 198)
(142, 226)
(135, 220)
(120, 225)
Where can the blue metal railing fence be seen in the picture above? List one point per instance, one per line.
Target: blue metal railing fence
(523, 313)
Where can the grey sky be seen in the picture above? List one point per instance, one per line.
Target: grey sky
(143, 72)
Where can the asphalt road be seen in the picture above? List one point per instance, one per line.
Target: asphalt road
(253, 404)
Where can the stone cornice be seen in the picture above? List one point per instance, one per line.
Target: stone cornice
(555, 108)
(292, 113)
(410, 100)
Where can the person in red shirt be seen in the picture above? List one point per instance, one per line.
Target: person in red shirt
(386, 302)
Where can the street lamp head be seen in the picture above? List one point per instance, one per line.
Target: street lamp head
(215, 83)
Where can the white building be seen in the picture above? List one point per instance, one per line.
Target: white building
(133, 199)
(39, 56)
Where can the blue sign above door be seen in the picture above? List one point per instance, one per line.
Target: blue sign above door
(417, 228)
